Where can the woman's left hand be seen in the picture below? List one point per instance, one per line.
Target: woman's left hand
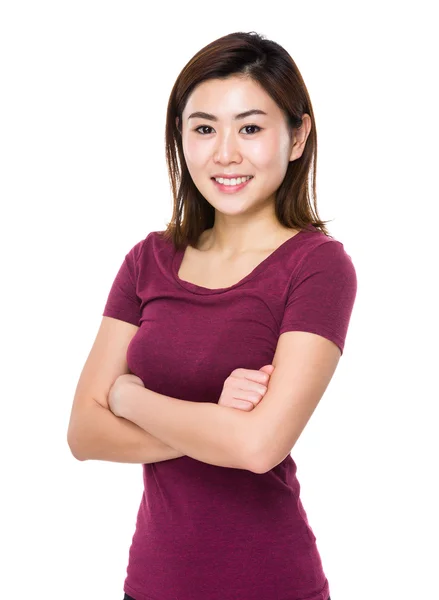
(119, 390)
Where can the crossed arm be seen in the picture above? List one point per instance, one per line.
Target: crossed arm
(208, 432)
(257, 440)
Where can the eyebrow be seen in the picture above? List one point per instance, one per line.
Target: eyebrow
(243, 115)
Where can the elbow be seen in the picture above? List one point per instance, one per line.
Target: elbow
(80, 458)
(253, 458)
(79, 432)
(265, 462)
(73, 444)
(253, 461)
(76, 454)
(266, 457)
(259, 467)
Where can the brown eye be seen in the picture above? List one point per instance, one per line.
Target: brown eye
(203, 127)
(252, 127)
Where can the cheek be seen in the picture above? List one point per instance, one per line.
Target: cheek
(267, 153)
(194, 152)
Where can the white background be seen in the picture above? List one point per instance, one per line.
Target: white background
(84, 89)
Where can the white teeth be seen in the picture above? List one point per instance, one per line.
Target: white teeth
(232, 181)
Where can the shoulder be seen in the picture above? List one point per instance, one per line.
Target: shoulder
(316, 248)
(142, 245)
(324, 261)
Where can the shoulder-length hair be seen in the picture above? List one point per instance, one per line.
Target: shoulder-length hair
(270, 65)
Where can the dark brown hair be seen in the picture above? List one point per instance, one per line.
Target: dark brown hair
(270, 65)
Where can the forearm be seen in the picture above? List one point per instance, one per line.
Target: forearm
(107, 437)
(214, 434)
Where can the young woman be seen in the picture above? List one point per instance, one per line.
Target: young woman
(219, 337)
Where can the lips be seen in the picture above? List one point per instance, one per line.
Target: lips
(229, 189)
(230, 176)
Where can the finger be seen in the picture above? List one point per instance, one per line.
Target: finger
(258, 376)
(246, 405)
(249, 396)
(253, 386)
(242, 404)
(253, 375)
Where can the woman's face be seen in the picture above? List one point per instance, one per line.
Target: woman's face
(218, 143)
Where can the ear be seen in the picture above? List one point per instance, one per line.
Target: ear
(300, 136)
(177, 123)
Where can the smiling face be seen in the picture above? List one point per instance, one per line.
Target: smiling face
(224, 141)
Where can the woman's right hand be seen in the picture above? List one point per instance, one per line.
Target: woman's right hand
(245, 388)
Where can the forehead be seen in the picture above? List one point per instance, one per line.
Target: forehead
(227, 97)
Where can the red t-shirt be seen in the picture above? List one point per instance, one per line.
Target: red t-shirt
(205, 532)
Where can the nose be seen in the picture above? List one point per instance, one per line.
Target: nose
(227, 149)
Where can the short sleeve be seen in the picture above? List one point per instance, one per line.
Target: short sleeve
(322, 295)
(123, 302)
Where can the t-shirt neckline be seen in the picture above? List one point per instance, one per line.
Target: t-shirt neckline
(198, 289)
